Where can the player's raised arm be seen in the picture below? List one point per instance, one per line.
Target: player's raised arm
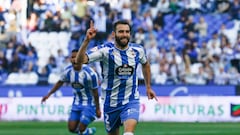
(81, 55)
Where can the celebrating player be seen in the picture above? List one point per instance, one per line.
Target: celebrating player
(120, 83)
(85, 106)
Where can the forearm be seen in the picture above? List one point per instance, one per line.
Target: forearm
(96, 98)
(81, 55)
(97, 103)
(55, 88)
(147, 75)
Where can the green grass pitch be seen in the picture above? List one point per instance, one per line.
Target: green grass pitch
(143, 128)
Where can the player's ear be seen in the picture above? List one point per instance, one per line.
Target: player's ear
(113, 34)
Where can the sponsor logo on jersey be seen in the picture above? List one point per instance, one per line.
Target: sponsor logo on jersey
(77, 85)
(124, 70)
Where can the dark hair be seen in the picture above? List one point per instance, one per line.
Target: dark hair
(125, 22)
(74, 50)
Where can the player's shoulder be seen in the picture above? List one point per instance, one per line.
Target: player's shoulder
(108, 44)
(136, 46)
(104, 46)
(69, 67)
(86, 68)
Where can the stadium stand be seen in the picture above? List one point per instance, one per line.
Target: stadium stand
(199, 31)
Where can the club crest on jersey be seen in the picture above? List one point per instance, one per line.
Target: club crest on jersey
(133, 53)
(124, 70)
(82, 75)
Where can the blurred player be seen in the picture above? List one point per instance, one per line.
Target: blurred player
(120, 83)
(85, 106)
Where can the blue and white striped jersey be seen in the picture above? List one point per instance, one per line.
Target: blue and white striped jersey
(82, 83)
(119, 84)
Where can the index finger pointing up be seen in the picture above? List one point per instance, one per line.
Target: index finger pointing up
(91, 24)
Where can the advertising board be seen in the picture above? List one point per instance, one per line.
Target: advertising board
(175, 109)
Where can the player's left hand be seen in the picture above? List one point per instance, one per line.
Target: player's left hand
(98, 113)
(151, 94)
(44, 99)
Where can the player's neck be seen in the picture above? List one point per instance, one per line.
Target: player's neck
(78, 68)
(121, 47)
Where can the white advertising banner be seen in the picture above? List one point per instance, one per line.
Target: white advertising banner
(177, 109)
(191, 109)
(26, 108)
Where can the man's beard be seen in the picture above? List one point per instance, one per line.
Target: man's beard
(118, 40)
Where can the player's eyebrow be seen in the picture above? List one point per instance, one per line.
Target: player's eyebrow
(124, 31)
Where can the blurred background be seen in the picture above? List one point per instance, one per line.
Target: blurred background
(193, 47)
(193, 42)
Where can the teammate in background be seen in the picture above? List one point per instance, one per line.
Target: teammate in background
(120, 83)
(85, 106)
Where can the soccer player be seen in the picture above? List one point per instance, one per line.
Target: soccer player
(85, 106)
(120, 83)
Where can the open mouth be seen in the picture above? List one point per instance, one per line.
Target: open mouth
(124, 39)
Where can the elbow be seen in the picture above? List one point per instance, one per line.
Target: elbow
(147, 64)
(77, 61)
(81, 60)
